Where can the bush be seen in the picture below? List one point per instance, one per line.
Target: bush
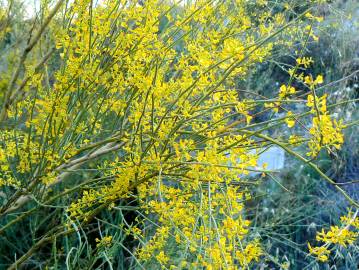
(127, 139)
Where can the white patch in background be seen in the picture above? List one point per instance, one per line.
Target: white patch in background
(273, 157)
(31, 8)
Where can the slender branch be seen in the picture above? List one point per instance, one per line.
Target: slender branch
(38, 245)
(18, 90)
(312, 165)
(33, 41)
(340, 80)
(74, 164)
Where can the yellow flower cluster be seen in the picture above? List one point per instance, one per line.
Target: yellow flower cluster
(321, 253)
(344, 235)
(289, 120)
(304, 61)
(105, 241)
(336, 235)
(311, 82)
(325, 131)
(284, 93)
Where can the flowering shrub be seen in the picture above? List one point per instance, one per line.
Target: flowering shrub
(141, 104)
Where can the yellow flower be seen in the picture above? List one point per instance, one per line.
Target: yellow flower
(273, 105)
(251, 252)
(290, 120)
(104, 242)
(319, 79)
(162, 258)
(305, 61)
(285, 91)
(312, 83)
(321, 252)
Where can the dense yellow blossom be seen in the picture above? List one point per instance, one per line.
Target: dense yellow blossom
(325, 131)
(343, 235)
(336, 235)
(144, 94)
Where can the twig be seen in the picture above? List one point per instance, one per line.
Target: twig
(27, 50)
(74, 164)
(24, 82)
(312, 165)
(338, 81)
